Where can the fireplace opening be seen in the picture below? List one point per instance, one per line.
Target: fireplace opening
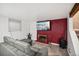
(42, 38)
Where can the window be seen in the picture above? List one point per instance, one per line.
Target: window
(14, 25)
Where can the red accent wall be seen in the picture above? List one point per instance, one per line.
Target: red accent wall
(58, 30)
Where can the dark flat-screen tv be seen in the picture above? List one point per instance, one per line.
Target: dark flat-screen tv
(43, 25)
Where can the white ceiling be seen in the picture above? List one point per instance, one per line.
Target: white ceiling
(39, 11)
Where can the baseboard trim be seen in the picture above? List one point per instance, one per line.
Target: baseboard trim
(68, 52)
(55, 44)
(51, 43)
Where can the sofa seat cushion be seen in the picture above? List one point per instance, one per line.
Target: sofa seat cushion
(20, 53)
(23, 46)
(14, 50)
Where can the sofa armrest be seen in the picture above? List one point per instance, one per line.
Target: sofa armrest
(35, 49)
(41, 52)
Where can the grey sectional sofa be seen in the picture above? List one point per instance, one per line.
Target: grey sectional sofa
(12, 47)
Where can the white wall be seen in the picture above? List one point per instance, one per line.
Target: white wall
(26, 27)
(28, 14)
(44, 11)
(24, 31)
(73, 42)
(3, 27)
(33, 30)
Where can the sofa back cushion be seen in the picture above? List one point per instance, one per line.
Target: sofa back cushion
(9, 40)
(25, 47)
